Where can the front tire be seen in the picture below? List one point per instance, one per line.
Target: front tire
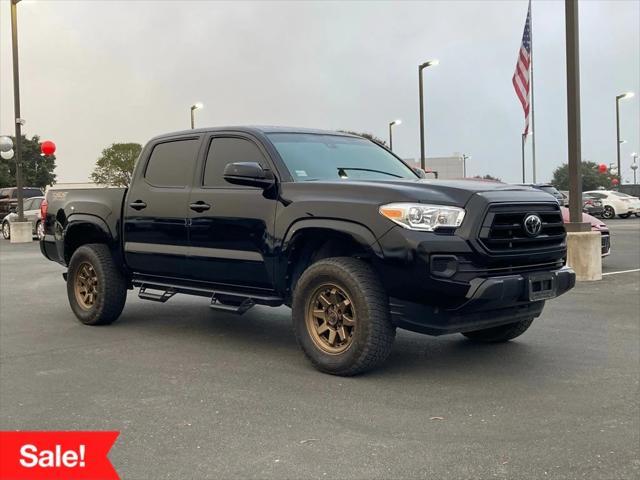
(341, 316)
(500, 334)
(608, 213)
(6, 230)
(96, 287)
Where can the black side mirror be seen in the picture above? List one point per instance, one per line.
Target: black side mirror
(420, 172)
(13, 209)
(250, 174)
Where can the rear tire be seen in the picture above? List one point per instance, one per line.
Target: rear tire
(503, 333)
(6, 230)
(40, 230)
(341, 316)
(624, 215)
(609, 212)
(96, 287)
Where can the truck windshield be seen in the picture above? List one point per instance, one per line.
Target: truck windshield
(312, 157)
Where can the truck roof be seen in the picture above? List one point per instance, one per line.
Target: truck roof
(260, 129)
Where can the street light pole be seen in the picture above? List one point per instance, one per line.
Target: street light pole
(465, 157)
(395, 122)
(16, 108)
(618, 98)
(421, 94)
(634, 166)
(573, 117)
(194, 107)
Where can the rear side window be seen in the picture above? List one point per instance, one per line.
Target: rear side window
(30, 192)
(36, 203)
(171, 163)
(27, 205)
(225, 150)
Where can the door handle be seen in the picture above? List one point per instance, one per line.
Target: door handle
(199, 206)
(138, 205)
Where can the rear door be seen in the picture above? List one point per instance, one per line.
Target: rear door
(156, 207)
(231, 226)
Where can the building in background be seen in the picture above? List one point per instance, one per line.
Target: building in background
(447, 167)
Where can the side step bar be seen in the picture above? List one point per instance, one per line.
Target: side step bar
(221, 300)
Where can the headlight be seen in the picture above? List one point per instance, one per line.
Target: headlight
(420, 216)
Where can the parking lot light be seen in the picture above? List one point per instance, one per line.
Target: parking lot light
(194, 107)
(618, 98)
(429, 63)
(395, 122)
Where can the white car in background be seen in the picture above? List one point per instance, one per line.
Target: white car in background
(31, 214)
(616, 203)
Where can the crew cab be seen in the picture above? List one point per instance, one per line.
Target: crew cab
(330, 224)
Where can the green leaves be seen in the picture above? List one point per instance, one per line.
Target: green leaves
(115, 165)
(591, 177)
(37, 171)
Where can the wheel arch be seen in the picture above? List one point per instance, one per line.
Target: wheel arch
(84, 229)
(310, 240)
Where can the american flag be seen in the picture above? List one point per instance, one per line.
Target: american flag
(521, 76)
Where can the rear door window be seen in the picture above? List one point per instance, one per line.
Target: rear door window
(171, 163)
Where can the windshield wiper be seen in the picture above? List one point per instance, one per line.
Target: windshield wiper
(342, 173)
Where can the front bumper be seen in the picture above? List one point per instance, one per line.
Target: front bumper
(489, 302)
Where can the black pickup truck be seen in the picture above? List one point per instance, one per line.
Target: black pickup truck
(332, 225)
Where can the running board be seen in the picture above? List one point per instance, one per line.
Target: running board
(161, 297)
(221, 300)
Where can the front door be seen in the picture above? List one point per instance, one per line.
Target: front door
(156, 237)
(230, 225)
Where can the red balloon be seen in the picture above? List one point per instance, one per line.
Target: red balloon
(48, 147)
(602, 168)
(615, 181)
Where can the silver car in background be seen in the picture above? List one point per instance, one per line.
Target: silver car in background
(31, 214)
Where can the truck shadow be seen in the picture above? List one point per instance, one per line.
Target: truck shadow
(268, 333)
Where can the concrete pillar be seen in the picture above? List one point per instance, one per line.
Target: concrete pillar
(21, 232)
(584, 255)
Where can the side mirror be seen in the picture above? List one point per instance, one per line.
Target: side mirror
(420, 172)
(13, 209)
(250, 174)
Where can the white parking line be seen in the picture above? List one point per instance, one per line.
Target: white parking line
(622, 271)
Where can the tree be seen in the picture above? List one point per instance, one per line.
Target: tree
(592, 179)
(115, 165)
(488, 177)
(368, 136)
(37, 171)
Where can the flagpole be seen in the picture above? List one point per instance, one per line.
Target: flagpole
(533, 115)
(523, 174)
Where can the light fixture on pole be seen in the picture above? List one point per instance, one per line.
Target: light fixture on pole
(634, 166)
(421, 95)
(618, 98)
(465, 157)
(395, 122)
(194, 107)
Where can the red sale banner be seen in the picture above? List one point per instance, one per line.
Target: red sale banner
(56, 455)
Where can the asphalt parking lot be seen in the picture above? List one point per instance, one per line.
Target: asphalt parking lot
(200, 394)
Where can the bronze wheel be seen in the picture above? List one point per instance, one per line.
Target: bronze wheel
(86, 286)
(331, 319)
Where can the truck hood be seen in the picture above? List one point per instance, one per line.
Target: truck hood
(440, 192)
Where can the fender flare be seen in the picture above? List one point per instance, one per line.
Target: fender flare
(357, 231)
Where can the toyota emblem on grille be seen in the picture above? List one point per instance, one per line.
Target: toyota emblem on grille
(532, 225)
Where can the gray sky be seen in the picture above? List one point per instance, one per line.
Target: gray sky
(96, 72)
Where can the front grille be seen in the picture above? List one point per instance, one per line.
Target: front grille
(503, 228)
(606, 243)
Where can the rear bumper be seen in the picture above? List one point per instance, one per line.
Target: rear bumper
(489, 302)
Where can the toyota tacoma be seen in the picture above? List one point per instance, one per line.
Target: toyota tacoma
(333, 225)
